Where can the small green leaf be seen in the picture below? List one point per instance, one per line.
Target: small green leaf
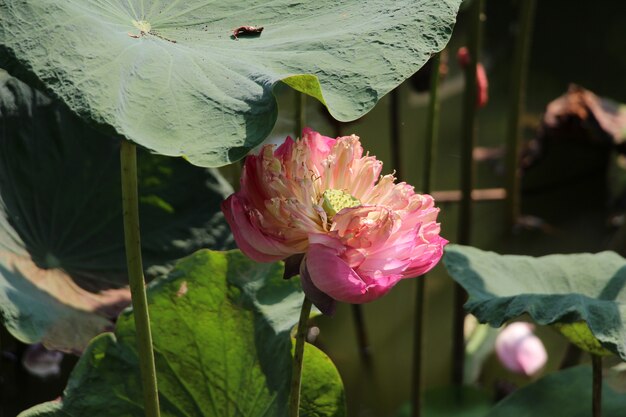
(220, 349)
(169, 76)
(564, 393)
(550, 289)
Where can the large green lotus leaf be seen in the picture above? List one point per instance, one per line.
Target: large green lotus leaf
(217, 353)
(168, 75)
(62, 260)
(550, 289)
(564, 393)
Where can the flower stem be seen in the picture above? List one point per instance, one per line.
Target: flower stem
(596, 364)
(467, 180)
(298, 356)
(130, 203)
(516, 109)
(430, 153)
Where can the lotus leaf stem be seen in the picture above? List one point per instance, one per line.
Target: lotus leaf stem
(130, 203)
(519, 76)
(396, 141)
(468, 137)
(596, 364)
(430, 154)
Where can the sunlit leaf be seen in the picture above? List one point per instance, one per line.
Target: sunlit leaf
(218, 353)
(169, 76)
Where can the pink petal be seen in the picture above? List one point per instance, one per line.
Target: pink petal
(252, 241)
(326, 141)
(425, 261)
(320, 299)
(251, 182)
(326, 240)
(333, 276)
(318, 147)
(285, 149)
(366, 227)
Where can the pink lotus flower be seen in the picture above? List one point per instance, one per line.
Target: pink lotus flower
(321, 197)
(520, 350)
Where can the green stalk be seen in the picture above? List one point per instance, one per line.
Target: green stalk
(519, 76)
(298, 359)
(467, 180)
(394, 124)
(430, 153)
(300, 104)
(130, 201)
(432, 127)
(596, 364)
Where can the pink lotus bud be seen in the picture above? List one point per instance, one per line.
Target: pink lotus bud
(321, 197)
(482, 83)
(520, 350)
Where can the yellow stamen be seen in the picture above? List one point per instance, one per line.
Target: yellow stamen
(333, 201)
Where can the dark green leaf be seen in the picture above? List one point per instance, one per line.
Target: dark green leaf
(565, 393)
(550, 289)
(62, 261)
(218, 353)
(169, 76)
